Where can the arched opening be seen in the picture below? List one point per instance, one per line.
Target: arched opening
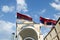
(28, 34)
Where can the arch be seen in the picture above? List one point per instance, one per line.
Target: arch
(28, 32)
(28, 38)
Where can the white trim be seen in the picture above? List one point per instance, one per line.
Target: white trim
(29, 38)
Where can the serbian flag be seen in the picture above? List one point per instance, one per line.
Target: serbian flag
(22, 16)
(47, 21)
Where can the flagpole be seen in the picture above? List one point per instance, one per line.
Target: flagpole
(16, 30)
(16, 27)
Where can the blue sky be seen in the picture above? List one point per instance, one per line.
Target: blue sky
(34, 8)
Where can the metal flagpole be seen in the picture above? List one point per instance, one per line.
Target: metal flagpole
(16, 28)
(16, 31)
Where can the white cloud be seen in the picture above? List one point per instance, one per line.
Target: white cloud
(57, 1)
(6, 30)
(56, 4)
(42, 11)
(6, 26)
(21, 6)
(57, 15)
(6, 8)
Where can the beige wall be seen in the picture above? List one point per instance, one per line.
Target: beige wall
(35, 26)
(55, 38)
(53, 33)
(59, 35)
(57, 27)
(48, 37)
(21, 24)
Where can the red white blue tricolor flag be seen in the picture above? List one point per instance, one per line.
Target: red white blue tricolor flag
(22, 16)
(47, 22)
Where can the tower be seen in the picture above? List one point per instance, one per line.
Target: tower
(27, 29)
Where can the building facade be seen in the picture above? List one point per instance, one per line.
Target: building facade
(29, 30)
(54, 34)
